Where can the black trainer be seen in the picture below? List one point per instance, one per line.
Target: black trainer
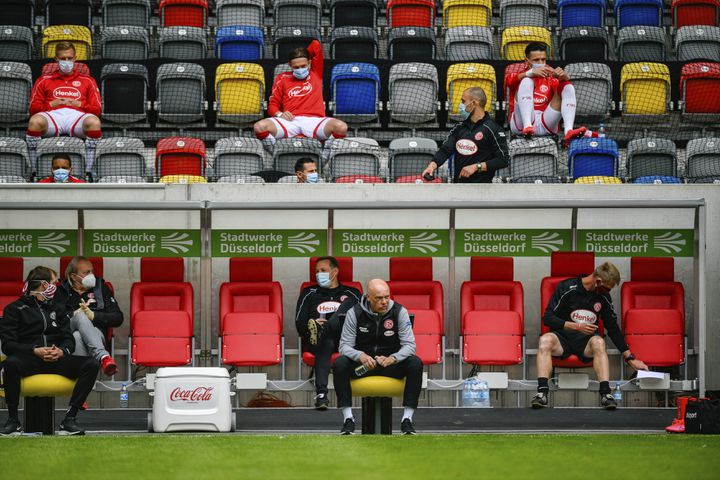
(321, 401)
(608, 402)
(12, 427)
(69, 426)
(406, 427)
(348, 427)
(540, 400)
(313, 330)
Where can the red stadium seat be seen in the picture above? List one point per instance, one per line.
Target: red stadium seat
(492, 311)
(411, 13)
(564, 265)
(699, 83)
(251, 315)
(695, 12)
(180, 156)
(183, 13)
(11, 281)
(52, 67)
(359, 179)
(161, 315)
(509, 70)
(416, 179)
(653, 312)
(412, 285)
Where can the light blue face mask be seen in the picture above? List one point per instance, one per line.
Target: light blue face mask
(538, 65)
(312, 177)
(463, 112)
(323, 279)
(301, 73)
(61, 175)
(66, 66)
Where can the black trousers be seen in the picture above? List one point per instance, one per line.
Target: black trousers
(328, 344)
(411, 369)
(17, 366)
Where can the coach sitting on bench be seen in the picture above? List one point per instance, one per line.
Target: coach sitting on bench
(378, 335)
(37, 338)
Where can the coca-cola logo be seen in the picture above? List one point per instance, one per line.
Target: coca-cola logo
(328, 307)
(199, 394)
(465, 147)
(67, 92)
(583, 316)
(300, 91)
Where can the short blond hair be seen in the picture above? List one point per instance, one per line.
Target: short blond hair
(62, 46)
(608, 273)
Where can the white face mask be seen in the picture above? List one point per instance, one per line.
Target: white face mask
(66, 66)
(538, 65)
(88, 281)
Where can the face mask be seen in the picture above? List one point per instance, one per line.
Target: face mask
(61, 175)
(88, 281)
(463, 112)
(49, 291)
(312, 177)
(323, 279)
(301, 73)
(66, 66)
(537, 65)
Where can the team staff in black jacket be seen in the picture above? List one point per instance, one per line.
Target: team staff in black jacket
(37, 338)
(316, 324)
(572, 315)
(478, 143)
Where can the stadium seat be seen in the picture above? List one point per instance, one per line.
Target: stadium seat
(524, 13)
(80, 36)
(355, 92)
(180, 92)
(289, 38)
(124, 92)
(288, 150)
(510, 69)
(353, 156)
(182, 179)
(581, 13)
(578, 44)
(653, 312)
(698, 44)
(645, 89)
(234, 13)
(354, 44)
(598, 180)
(237, 156)
(183, 13)
(297, 13)
(14, 158)
(239, 92)
(12, 179)
(407, 44)
(715, 180)
(536, 179)
(11, 280)
(703, 158)
(180, 156)
(161, 315)
(412, 285)
(413, 92)
(410, 156)
(118, 13)
(657, 180)
(243, 179)
(124, 43)
(687, 13)
(515, 39)
(464, 44)
(593, 87)
(651, 156)
(239, 43)
(492, 312)
(359, 179)
(638, 12)
(119, 156)
(15, 87)
(183, 43)
(467, 13)
(462, 76)
(19, 12)
(251, 315)
(699, 84)
(591, 157)
(16, 43)
(535, 157)
(353, 13)
(68, 12)
(48, 147)
(641, 44)
(410, 13)
(416, 179)
(121, 179)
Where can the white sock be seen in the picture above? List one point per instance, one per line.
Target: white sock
(269, 143)
(524, 101)
(347, 413)
(568, 106)
(90, 146)
(408, 413)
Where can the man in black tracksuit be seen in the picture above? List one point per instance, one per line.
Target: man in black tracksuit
(316, 324)
(478, 143)
(378, 335)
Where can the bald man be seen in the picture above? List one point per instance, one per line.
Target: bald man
(378, 335)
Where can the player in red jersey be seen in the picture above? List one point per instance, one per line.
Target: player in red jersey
(65, 103)
(296, 105)
(543, 96)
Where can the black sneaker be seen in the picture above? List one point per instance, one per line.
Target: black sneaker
(540, 400)
(12, 427)
(69, 426)
(348, 427)
(406, 427)
(608, 402)
(321, 401)
(313, 329)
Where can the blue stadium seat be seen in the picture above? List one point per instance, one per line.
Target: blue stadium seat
(581, 13)
(657, 179)
(589, 157)
(240, 43)
(355, 91)
(638, 12)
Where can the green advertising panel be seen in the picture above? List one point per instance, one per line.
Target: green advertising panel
(38, 243)
(511, 242)
(269, 243)
(391, 243)
(142, 243)
(637, 243)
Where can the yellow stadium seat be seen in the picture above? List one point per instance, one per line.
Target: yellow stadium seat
(78, 35)
(467, 13)
(377, 386)
(461, 76)
(239, 92)
(182, 179)
(515, 39)
(597, 180)
(645, 88)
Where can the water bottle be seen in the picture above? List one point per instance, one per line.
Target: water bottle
(361, 369)
(483, 394)
(601, 130)
(467, 397)
(617, 393)
(124, 399)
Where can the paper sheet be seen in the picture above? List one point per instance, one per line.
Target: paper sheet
(647, 374)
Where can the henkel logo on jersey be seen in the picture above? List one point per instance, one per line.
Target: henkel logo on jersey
(583, 316)
(67, 92)
(197, 395)
(466, 147)
(300, 91)
(328, 307)
(540, 99)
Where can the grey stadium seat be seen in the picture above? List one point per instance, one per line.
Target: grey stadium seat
(536, 157)
(410, 156)
(280, 68)
(15, 87)
(354, 44)
(289, 38)
(183, 43)
(698, 43)
(703, 158)
(409, 44)
(464, 44)
(297, 13)
(537, 179)
(651, 156)
(121, 179)
(180, 92)
(12, 179)
(241, 179)
(14, 157)
(524, 13)
(641, 44)
(126, 13)
(584, 44)
(240, 12)
(413, 92)
(48, 147)
(288, 150)
(16, 43)
(125, 43)
(238, 156)
(593, 88)
(353, 156)
(120, 156)
(124, 92)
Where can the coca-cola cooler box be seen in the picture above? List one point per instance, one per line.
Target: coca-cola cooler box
(191, 399)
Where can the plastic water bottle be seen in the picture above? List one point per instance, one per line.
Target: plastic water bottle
(124, 399)
(617, 393)
(476, 393)
(483, 395)
(601, 130)
(361, 370)
(467, 396)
